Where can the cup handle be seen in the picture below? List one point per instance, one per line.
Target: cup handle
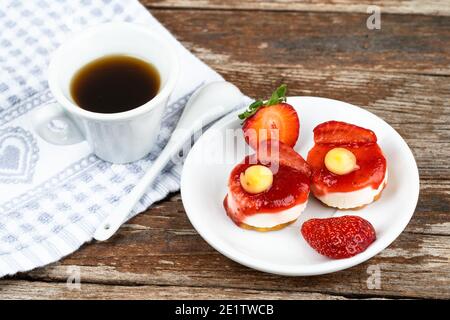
(53, 125)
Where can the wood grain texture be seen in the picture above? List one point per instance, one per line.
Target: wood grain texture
(160, 248)
(401, 73)
(46, 290)
(428, 7)
(321, 41)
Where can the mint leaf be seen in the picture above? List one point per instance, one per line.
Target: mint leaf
(281, 92)
(251, 110)
(273, 99)
(278, 96)
(256, 104)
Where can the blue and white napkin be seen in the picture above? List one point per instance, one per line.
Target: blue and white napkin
(53, 197)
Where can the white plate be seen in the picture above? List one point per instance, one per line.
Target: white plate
(285, 252)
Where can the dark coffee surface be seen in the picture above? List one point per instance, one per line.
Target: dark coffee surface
(114, 83)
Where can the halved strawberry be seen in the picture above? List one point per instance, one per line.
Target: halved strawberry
(272, 119)
(340, 237)
(279, 122)
(342, 133)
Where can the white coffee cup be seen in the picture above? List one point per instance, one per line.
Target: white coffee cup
(115, 137)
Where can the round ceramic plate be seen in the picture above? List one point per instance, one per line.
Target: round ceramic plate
(285, 252)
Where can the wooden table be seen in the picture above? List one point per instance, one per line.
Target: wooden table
(321, 48)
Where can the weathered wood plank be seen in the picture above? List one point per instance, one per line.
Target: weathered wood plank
(317, 41)
(160, 248)
(428, 7)
(14, 289)
(414, 266)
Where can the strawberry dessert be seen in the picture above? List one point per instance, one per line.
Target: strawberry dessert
(269, 189)
(349, 169)
(340, 237)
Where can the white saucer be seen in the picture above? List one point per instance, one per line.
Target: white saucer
(285, 252)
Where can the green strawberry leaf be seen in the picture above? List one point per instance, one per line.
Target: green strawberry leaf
(278, 96)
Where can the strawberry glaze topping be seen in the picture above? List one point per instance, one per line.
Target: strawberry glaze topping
(361, 142)
(290, 185)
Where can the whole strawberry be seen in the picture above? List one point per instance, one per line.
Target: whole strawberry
(340, 237)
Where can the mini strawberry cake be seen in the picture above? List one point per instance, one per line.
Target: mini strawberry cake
(268, 190)
(349, 169)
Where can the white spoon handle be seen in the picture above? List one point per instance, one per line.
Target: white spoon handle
(115, 219)
(206, 105)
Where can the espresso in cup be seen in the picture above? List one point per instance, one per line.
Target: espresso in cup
(114, 83)
(111, 84)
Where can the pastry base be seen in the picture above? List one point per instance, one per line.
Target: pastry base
(274, 228)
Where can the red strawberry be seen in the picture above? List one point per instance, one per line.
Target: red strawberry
(341, 133)
(269, 151)
(279, 121)
(340, 237)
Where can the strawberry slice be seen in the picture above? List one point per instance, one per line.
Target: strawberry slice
(341, 133)
(340, 237)
(279, 121)
(274, 151)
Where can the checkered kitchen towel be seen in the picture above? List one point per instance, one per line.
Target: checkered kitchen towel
(53, 197)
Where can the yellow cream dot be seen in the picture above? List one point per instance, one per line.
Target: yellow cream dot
(340, 161)
(256, 179)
